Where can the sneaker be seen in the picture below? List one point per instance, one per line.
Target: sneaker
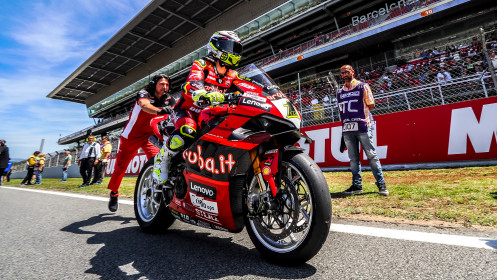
(83, 185)
(382, 189)
(113, 205)
(354, 189)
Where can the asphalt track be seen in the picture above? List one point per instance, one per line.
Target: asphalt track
(53, 235)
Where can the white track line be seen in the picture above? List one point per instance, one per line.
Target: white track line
(91, 197)
(447, 239)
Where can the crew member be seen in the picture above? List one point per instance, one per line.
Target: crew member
(151, 101)
(355, 100)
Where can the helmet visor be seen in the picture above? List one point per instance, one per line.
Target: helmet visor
(229, 46)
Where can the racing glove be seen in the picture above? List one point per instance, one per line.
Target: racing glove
(165, 111)
(203, 98)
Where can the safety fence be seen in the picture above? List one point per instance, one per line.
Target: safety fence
(57, 158)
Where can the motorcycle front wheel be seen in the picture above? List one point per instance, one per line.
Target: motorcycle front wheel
(150, 212)
(296, 226)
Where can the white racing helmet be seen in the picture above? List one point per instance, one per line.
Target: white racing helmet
(226, 47)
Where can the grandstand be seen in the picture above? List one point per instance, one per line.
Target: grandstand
(398, 47)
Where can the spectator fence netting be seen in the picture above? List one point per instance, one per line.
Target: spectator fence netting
(438, 78)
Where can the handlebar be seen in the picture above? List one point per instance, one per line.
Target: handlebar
(230, 98)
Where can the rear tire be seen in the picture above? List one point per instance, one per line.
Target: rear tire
(150, 212)
(294, 232)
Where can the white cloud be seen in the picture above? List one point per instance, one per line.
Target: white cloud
(42, 43)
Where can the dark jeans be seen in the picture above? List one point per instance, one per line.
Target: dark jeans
(352, 140)
(86, 168)
(99, 172)
(29, 176)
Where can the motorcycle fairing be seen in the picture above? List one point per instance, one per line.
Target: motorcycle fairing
(208, 201)
(155, 127)
(214, 160)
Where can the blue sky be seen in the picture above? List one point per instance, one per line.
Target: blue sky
(41, 43)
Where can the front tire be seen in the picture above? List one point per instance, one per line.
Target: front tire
(150, 212)
(295, 230)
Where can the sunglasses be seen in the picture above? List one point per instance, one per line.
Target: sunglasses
(344, 72)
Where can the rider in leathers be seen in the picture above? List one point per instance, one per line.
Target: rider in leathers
(209, 78)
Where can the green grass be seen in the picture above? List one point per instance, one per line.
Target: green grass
(457, 197)
(441, 197)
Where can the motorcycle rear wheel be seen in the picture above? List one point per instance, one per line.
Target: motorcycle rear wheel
(297, 228)
(150, 212)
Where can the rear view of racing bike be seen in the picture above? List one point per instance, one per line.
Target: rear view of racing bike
(244, 171)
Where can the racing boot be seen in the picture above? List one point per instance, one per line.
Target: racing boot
(162, 164)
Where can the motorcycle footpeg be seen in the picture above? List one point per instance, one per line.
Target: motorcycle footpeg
(167, 195)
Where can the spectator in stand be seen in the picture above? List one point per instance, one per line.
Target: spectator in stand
(88, 159)
(468, 67)
(457, 56)
(479, 70)
(32, 162)
(453, 67)
(425, 54)
(491, 40)
(4, 159)
(105, 150)
(443, 77)
(493, 59)
(476, 45)
(472, 52)
(451, 48)
(435, 52)
(39, 169)
(357, 129)
(66, 164)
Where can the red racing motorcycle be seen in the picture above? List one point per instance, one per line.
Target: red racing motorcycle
(244, 170)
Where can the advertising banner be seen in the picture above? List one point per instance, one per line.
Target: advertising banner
(451, 132)
(134, 166)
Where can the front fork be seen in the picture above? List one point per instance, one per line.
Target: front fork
(266, 168)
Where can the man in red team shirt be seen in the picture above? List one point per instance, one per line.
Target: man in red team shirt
(151, 101)
(209, 78)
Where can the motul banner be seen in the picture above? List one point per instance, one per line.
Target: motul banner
(452, 132)
(134, 166)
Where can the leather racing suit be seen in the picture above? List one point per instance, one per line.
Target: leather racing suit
(203, 77)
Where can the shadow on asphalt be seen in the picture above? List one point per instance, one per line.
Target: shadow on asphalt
(130, 253)
(341, 195)
(491, 242)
